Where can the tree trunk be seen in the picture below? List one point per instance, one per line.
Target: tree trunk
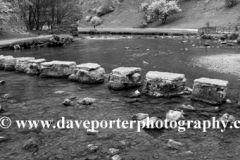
(30, 17)
(38, 15)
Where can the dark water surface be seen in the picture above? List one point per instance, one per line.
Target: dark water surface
(34, 98)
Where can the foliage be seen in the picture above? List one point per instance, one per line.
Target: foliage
(5, 12)
(144, 6)
(96, 21)
(230, 3)
(161, 9)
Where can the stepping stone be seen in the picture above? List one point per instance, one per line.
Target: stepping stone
(2, 61)
(22, 63)
(212, 91)
(88, 73)
(57, 69)
(165, 84)
(125, 77)
(34, 66)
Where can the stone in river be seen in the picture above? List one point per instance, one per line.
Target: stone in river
(212, 91)
(10, 63)
(125, 77)
(3, 61)
(34, 66)
(22, 63)
(165, 84)
(88, 73)
(57, 69)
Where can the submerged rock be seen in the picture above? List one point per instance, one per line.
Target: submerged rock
(34, 66)
(116, 157)
(22, 63)
(2, 82)
(149, 123)
(88, 73)
(31, 145)
(208, 90)
(67, 102)
(174, 115)
(91, 131)
(57, 69)
(125, 77)
(140, 116)
(174, 144)
(86, 101)
(165, 84)
(227, 118)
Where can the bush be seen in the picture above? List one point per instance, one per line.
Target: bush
(103, 10)
(238, 40)
(230, 3)
(161, 9)
(88, 18)
(233, 36)
(96, 21)
(144, 6)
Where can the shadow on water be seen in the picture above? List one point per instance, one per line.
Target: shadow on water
(35, 98)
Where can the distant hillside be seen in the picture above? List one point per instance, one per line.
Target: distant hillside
(195, 14)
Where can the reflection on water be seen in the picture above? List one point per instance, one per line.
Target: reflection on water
(35, 98)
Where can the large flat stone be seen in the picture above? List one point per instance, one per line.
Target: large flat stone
(126, 70)
(88, 73)
(22, 63)
(164, 84)
(208, 90)
(57, 69)
(125, 77)
(2, 61)
(34, 66)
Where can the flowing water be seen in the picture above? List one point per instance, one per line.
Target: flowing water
(34, 98)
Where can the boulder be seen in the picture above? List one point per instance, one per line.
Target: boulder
(165, 84)
(212, 91)
(10, 63)
(86, 101)
(57, 69)
(2, 61)
(34, 66)
(22, 63)
(88, 73)
(125, 77)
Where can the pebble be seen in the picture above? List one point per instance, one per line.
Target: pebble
(174, 144)
(116, 157)
(86, 101)
(92, 147)
(228, 101)
(2, 82)
(92, 131)
(140, 116)
(7, 96)
(59, 92)
(67, 102)
(113, 151)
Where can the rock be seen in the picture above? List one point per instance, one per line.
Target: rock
(164, 84)
(113, 151)
(86, 101)
(174, 144)
(91, 131)
(116, 157)
(3, 139)
(59, 92)
(126, 48)
(135, 94)
(1, 108)
(88, 73)
(2, 82)
(16, 47)
(227, 118)
(208, 90)
(31, 145)
(228, 101)
(145, 63)
(3, 61)
(57, 69)
(34, 66)
(223, 42)
(125, 77)
(174, 115)
(130, 100)
(22, 63)
(92, 148)
(206, 44)
(187, 107)
(10, 63)
(7, 96)
(67, 102)
(140, 116)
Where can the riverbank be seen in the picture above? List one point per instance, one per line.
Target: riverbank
(139, 31)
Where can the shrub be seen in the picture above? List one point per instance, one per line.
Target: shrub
(238, 40)
(88, 18)
(161, 9)
(96, 21)
(103, 10)
(233, 36)
(144, 6)
(230, 3)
